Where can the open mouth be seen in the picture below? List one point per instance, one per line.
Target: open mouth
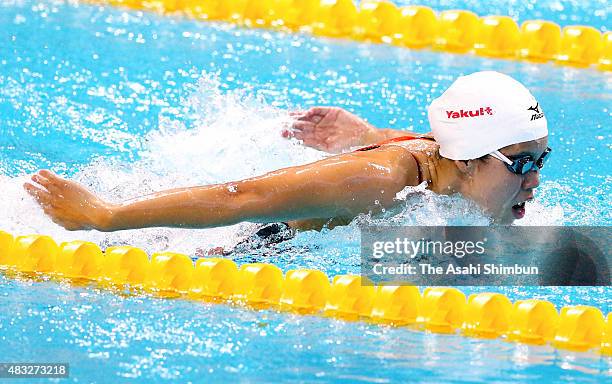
(518, 210)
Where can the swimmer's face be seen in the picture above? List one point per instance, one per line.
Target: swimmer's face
(500, 192)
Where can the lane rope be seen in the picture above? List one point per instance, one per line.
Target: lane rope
(415, 27)
(307, 291)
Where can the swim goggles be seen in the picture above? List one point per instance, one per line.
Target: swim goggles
(524, 164)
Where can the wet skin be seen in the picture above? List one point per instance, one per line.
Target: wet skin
(340, 187)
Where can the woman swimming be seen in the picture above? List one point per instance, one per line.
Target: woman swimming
(490, 142)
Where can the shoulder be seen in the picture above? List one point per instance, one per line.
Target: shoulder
(397, 158)
(426, 155)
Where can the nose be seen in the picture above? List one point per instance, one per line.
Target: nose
(532, 179)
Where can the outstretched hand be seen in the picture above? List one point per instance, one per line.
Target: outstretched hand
(68, 203)
(330, 129)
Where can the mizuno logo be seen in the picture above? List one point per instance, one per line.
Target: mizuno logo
(469, 113)
(538, 114)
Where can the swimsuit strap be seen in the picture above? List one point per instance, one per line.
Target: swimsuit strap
(398, 139)
(393, 140)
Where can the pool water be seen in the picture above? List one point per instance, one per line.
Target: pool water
(129, 103)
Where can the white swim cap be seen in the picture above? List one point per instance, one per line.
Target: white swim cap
(483, 112)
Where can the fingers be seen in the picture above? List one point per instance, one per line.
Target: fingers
(301, 135)
(45, 194)
(40, 194)
(316, 119)
(297, 130)
(316, 113)
(40, 179)
(320, 111)
(288, 134)
(50, 181)
(306, 136)
(296, 124)
(49, 175)
(303, 126)
(49, 186)
(308, 118)
(46, 175)
(45, 199)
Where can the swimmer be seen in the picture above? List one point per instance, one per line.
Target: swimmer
(488, 143)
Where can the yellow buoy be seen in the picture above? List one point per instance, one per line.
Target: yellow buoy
(258, 13)
(170, 6)
(378, 21)
(338, 18)
(443, 309)
(6, 249)
(134, 4)
(606, 342)
(533, 322)
(228, 10)
(201, 9)
(417, 26)
(157, 6)
(35, 253)
(349, 298)
(396, 305)
(580, 328)
(170, 273)
(299, 14)
(304, 291)
(540, 40)
(498, 36)
(605, 61)
(487, 315)
(260, 285)
(457, 31)
(214, 279)
(79, 259)
(125, 265)
(580, 46)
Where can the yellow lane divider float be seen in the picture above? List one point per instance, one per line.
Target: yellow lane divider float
(263, 286)
(381, 21)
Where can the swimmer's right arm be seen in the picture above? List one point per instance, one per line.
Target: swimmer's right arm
(333, 129)
(339, 186)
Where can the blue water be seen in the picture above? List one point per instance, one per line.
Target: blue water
(130, 102)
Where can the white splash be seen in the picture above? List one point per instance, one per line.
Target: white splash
(231, 136)
(420, 206)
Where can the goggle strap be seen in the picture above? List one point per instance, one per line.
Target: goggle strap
(500, 156)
